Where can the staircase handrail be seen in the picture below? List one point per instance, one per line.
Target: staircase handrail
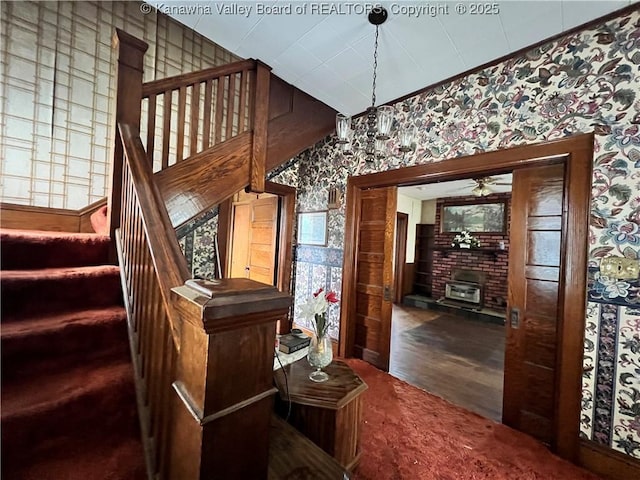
(155, 87)
(169, 261)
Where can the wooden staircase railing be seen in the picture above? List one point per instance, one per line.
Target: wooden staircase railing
(151, 265)
(195, 124)
(213, 105)
(203, 400)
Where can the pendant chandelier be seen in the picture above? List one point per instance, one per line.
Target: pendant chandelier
(379, 120)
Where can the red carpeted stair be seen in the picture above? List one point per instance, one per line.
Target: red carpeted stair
(68, 398)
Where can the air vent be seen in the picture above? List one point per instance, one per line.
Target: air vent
(335, 198)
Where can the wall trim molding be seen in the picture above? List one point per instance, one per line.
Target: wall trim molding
(607, 462)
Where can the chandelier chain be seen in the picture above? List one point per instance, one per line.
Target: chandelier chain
(375, 69)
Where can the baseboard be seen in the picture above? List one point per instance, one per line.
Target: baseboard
(607, 462)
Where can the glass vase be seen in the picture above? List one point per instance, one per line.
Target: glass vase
(320, 355)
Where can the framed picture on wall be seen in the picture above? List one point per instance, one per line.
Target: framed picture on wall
(485, 217)
(312, 228)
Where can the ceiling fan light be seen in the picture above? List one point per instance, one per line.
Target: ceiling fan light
(477, 191)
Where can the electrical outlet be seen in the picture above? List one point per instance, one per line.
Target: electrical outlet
(620, 268)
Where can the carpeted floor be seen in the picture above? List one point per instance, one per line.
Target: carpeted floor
(408, 433)
(68, 398)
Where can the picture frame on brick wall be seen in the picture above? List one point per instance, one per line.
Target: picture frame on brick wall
(474, 217)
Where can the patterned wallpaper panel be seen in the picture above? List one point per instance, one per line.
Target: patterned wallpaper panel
(584, 82)
(57, 83)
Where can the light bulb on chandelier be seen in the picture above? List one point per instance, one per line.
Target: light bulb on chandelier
(379, 120)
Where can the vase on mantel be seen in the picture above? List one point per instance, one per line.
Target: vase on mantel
(320, 355)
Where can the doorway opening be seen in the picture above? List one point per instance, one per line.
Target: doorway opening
(255, 238)
(447, 323)
(548, 252)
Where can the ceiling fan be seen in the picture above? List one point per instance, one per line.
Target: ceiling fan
(481, 188)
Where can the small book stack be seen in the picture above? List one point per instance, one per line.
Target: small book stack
(291, 343)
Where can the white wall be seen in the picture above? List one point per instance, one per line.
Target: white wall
(412, 207)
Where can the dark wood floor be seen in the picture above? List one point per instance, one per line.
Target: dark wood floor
(452, 357)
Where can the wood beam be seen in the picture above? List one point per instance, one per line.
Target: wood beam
(260, 128)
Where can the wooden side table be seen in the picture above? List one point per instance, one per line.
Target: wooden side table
(328, 413)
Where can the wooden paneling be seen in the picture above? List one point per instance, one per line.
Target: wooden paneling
(206, 179)
(293, 129)
(609, 463)
(374, 275)
(530, 374)
(38, 218)
(217, 420)
(50, 219)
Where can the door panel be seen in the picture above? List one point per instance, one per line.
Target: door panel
(254, 241)
(374, 276)
(531, 363)
(262, 246)
(240, 241)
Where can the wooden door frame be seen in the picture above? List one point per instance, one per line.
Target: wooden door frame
(287, 206)
(577, 153)
(400, 256)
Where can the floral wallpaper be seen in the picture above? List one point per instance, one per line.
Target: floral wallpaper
(584, 82)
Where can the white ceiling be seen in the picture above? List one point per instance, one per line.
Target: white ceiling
(329, 54)
(456, 188)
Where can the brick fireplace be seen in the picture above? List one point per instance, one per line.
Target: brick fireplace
(493, 265)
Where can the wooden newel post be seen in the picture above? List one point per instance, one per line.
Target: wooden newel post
(129, 71)
(223, 393)
(257, 171)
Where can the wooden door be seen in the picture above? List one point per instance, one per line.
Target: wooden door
(534, 316)
(254, 238)
(263, 240)
(240, 241)
(374, 276)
